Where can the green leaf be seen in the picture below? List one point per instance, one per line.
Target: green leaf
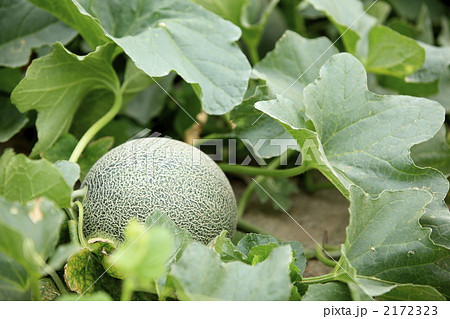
(174, 33)
(330, 291)
(409, 292)
(361, 138)
(385, 240)
(12, 121)
(254, 248)
(433, 153)
(82, 272)
(37, 28)
(294, 63)
(56, 84)
(143, 256)
(214, 280)
(22, 179)
(392, 53)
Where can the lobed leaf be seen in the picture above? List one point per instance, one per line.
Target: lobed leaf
(361, 138)
(56, 84)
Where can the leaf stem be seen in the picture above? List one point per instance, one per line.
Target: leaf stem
(73, 232)
(80, 223)
(322, 258)
(253, 53)
(127, 290)
(320, 279)
(250, 228)
(96, 127)
(262, 171)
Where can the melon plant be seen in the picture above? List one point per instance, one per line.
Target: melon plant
(361, 89)
(152, 174)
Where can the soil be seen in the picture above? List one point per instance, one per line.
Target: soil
(320, 218)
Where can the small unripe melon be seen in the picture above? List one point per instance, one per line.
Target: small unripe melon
(152, 174)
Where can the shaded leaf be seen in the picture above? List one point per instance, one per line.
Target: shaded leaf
(37, 28)
(9, 78)
(280, 190)
(12, 121)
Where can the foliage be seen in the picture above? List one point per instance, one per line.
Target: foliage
(358, 90)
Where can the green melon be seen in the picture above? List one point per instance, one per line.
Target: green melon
(146, 175)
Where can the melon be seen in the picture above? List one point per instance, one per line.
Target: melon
(152, 174)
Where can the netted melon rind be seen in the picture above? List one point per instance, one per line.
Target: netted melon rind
(158, 174)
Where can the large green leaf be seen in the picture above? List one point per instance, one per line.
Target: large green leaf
(381, 49)
(56, 84)
(12, 121)
(363, 138)
(385, 240)
(174, 33)
(212, 279)
(22, 179)
(24, 27)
